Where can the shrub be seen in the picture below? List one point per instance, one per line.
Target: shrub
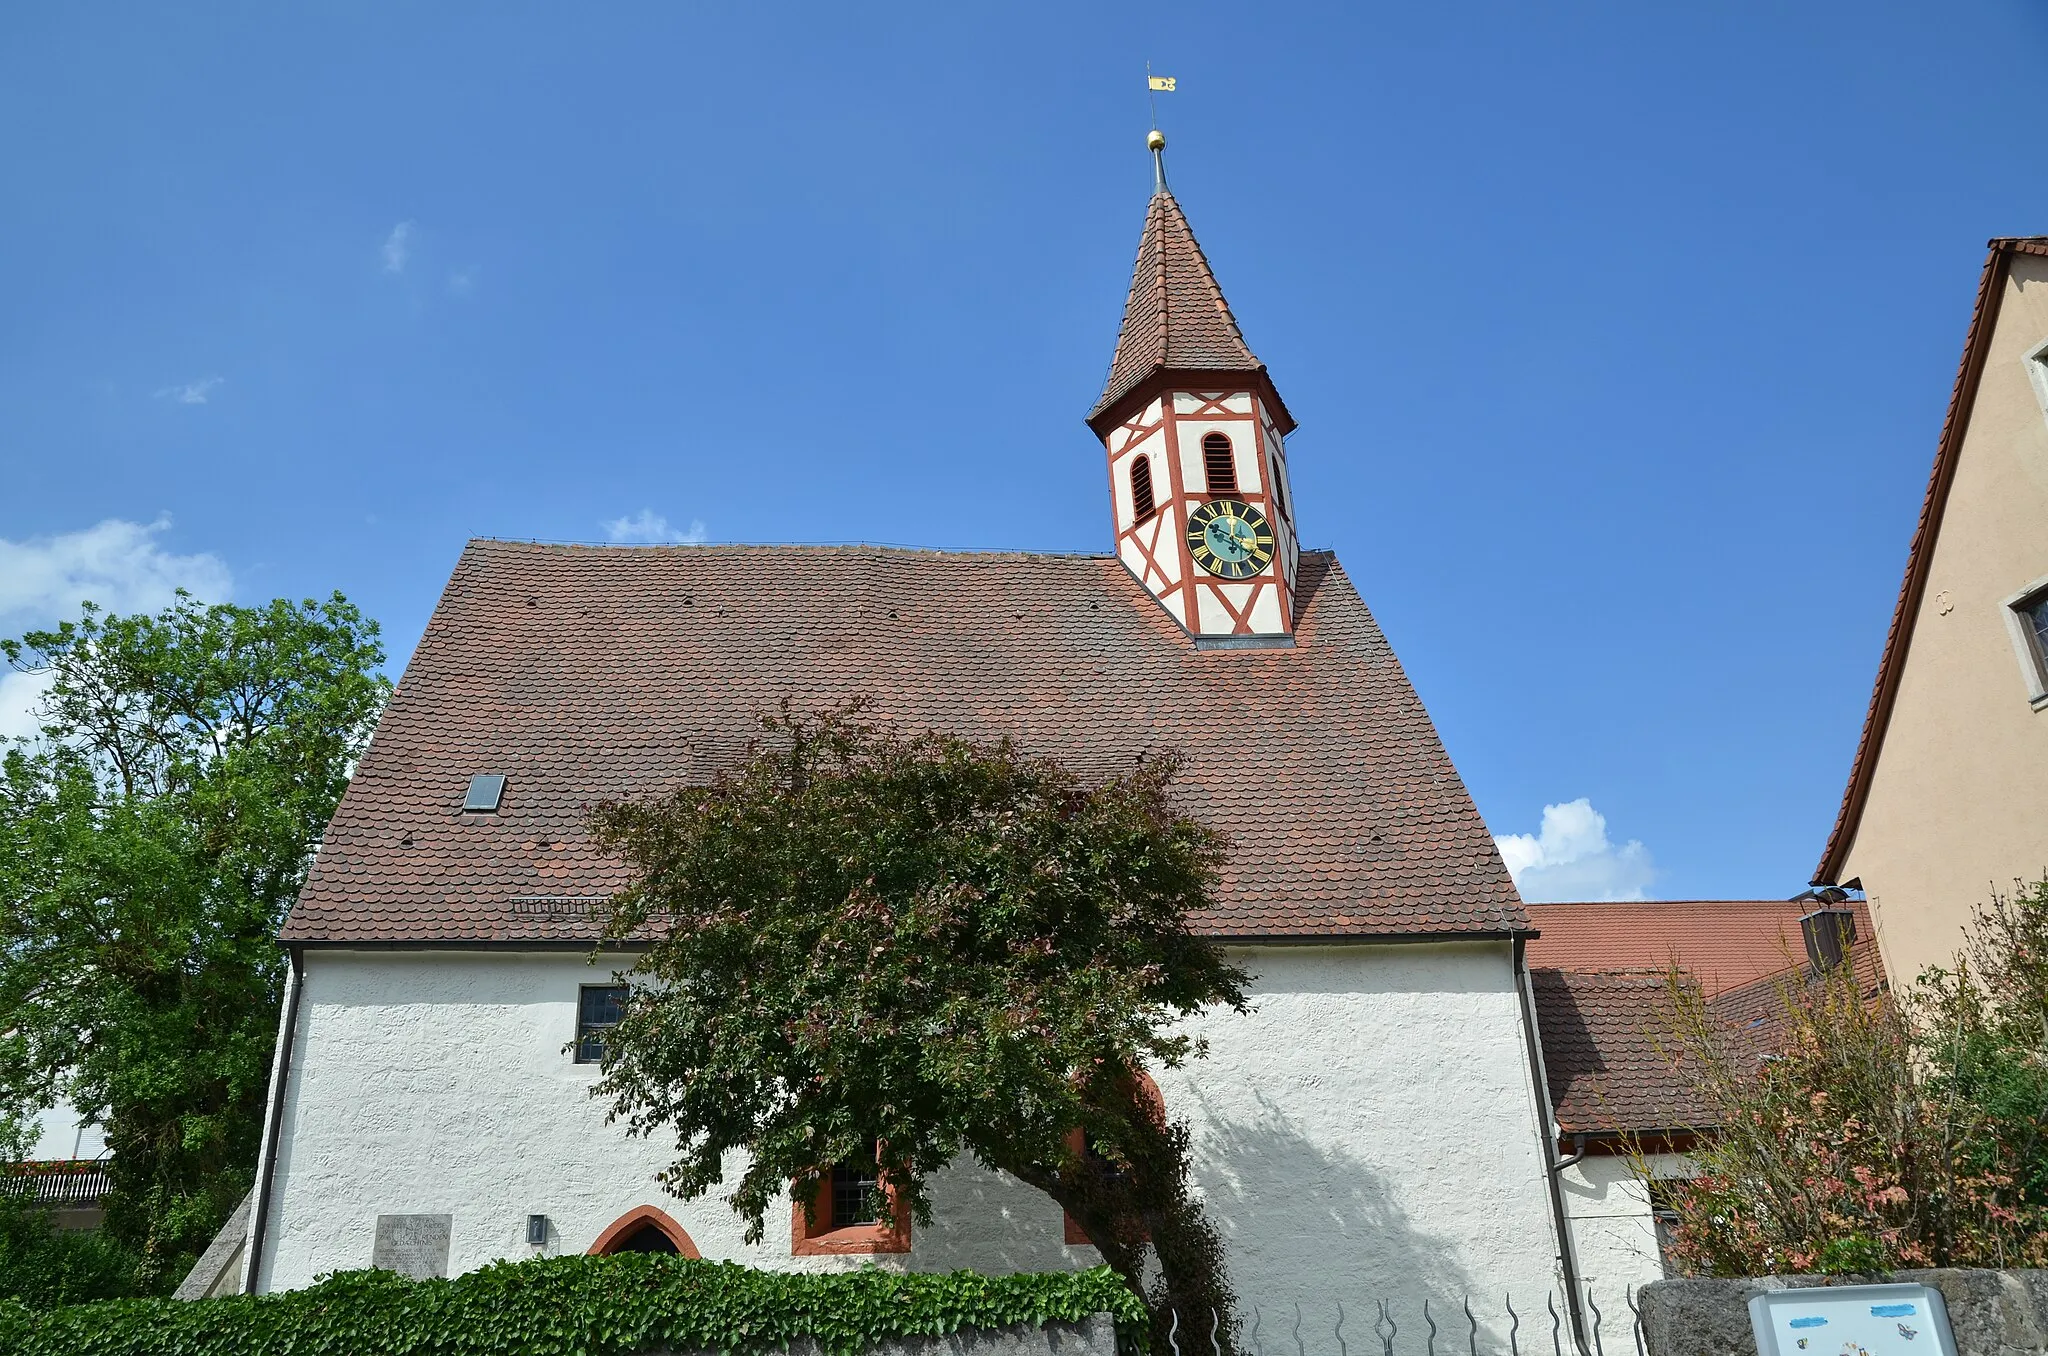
(588, 1306)
(1858, 1131)
(41, 1268)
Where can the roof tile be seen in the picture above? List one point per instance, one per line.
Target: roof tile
(583, 673)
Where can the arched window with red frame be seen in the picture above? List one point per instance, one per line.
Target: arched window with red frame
(644, 1229)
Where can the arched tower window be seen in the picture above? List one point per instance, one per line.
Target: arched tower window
(1219, 465)
(1141, 490)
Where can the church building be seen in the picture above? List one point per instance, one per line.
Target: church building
(1377, 1126)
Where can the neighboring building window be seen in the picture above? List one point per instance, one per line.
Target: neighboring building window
(1219, 463)
(1664, 1218)
(2037, 372)
(2035, 610)
(2026, 616)
(1141, 490)
(598, 1008)
(842, 1219)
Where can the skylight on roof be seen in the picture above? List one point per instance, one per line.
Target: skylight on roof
(486, 789)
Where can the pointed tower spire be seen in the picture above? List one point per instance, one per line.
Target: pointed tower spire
(1176, 322)
(1196, 434)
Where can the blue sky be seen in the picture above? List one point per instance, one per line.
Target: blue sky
(1619, 335)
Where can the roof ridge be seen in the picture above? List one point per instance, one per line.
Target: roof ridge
(807, 547)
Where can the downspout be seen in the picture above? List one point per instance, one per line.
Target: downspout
(1567, 1260)
(266, 1163)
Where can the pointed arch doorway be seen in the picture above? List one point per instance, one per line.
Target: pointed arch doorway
(644, 1229)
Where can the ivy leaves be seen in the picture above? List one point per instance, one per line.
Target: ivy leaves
(574, 1306)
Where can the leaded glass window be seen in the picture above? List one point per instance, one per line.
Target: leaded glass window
(598, 1007)
(853, 1195)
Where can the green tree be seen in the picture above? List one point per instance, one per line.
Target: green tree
(1864, 1131)
(151, 841)
(874, 946)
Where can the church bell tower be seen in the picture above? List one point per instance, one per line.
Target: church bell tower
(1193, 427)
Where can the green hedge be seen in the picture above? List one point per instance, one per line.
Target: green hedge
(571, 1306)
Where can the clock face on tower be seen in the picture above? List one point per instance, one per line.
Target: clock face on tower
(1230, 538)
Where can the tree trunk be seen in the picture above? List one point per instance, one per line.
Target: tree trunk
(1123, 1212)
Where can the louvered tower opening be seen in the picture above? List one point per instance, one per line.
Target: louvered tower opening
(1142, 504)
(1219, 465)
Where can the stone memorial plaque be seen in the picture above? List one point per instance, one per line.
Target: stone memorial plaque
(413, 1245)
(1851, 1320)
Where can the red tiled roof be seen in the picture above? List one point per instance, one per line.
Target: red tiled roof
(1920, 557)
(1601, 1033)
(1722, 943)
(1175, 319)
(588, 672)
(1757, 1009)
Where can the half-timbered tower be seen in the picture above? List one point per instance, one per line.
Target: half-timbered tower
(1194, 428)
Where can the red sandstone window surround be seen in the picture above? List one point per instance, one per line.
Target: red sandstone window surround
(1219, 463)
(644, 1228)
(840, 1221)
(1149, 1098)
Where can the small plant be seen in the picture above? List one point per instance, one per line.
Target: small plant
(1860, 1131)
(42, 1268)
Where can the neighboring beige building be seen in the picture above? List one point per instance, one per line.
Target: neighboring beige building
(1948, 796)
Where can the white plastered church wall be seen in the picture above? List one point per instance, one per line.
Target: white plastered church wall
(1614, 1227)
(1369, 1128)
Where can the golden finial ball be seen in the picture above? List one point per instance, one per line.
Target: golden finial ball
(1155, 140)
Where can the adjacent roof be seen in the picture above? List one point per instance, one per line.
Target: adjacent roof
(1176, 322)
(1920, 558)
(1601, 974)
(1600, 1037)
(1758, 1008)
(588, 672)
(1722, 943)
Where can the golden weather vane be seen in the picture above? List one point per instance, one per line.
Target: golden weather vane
(1155, 140)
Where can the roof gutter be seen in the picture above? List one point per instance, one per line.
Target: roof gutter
(1539, 1089)
(266, 1163)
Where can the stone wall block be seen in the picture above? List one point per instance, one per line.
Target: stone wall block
(1993, 1313)
(1092, 1336)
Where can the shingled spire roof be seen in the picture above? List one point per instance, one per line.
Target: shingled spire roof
(1176, 320)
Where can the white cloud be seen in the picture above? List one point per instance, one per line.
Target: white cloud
(189, 392)
(398, 247)
(118, 564)
(19, 693)
(462, 281)
(649, 526)
(1570, 858)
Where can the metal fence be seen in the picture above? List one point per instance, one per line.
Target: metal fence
(62, 1185)
(1475, 1326)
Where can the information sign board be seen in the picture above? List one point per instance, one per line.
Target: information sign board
(1852, 1320)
